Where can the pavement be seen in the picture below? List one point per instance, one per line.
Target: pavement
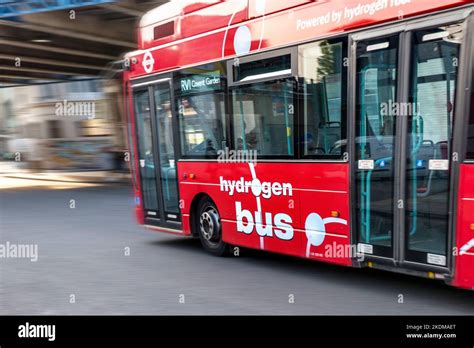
(94, 259)
(12, 170)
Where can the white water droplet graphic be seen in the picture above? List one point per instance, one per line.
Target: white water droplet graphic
(242, 40)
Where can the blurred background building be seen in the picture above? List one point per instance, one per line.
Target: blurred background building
(37, 125)
(61, 104)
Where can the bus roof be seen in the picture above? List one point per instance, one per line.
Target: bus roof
(180, 19)
(173, 9)
(188, 32)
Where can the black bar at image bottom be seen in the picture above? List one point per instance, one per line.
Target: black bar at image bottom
(44, 331)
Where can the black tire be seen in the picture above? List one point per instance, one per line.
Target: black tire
(209, 228)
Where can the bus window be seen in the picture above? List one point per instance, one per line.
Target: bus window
(323, 75)
(201, 109)
(263, 118)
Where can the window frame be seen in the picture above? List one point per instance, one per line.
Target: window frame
(467, 100)
(344, 105)
(228, 85)
(291, 51)
(145, 88)
(295, 146)
(233, 85)
(176, 75)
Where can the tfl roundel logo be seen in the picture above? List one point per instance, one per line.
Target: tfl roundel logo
(148, 62)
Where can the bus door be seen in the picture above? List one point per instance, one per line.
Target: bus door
(155, 127)
(405, 90)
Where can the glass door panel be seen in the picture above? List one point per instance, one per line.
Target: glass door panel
(146, 152)
(434, 63)
(166, 150)
(375, 144)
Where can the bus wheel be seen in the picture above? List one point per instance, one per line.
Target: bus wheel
(209, 228)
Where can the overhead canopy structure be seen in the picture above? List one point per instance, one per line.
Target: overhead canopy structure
(61, 40)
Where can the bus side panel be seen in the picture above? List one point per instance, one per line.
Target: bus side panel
(297, 209)
(327, 200)
(213, 17)
(229, 186)
(258, 8)
(193, 19)
(464, 262)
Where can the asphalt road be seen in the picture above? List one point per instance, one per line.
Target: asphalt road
(81, 252)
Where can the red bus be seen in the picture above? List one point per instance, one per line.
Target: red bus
(339, 131)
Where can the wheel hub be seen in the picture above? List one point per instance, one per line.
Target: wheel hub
(210, 226)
